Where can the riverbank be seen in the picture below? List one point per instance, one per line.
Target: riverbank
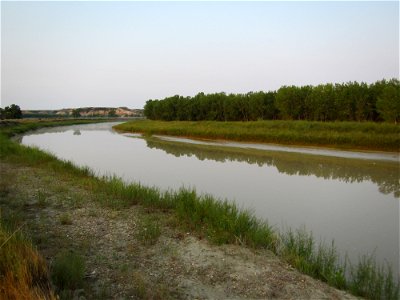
(136, 251)
(338, 135)
(181, 212)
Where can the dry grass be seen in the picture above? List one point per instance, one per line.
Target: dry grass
(23, 272)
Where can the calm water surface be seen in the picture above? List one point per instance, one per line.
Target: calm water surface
(351, 200)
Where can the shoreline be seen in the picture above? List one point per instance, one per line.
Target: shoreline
(243, 132)
(304, 149)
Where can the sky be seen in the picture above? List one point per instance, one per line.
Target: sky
(75, 54)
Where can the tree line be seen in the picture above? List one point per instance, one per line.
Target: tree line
(352, 101)
(10, 112)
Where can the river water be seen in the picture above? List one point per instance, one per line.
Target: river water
(349, 197)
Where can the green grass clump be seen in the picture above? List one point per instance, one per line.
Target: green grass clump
(68, 271)
(222, 221)
(348, 135)
(41, 199)
(149, 231)
(65, 219)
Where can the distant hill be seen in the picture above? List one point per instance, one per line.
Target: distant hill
(84, 112)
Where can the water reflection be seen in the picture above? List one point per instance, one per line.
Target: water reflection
(384, 174)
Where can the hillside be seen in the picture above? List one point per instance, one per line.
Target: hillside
(85, 112)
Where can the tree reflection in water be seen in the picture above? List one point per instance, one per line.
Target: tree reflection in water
(384, 174)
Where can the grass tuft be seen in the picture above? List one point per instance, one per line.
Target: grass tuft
(65, 219)
(149, 231)
(68, 271)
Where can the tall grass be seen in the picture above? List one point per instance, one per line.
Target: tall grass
(23, 272)
(322, 262)
(347, 135)
(223, 222)
(369, 280)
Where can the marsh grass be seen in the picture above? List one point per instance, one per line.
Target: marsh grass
(220, 221)
(353, 135)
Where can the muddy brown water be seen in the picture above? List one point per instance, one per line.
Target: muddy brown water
(349, 197)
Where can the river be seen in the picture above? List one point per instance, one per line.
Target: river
(349, 197)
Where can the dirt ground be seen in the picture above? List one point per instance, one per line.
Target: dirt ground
(122, 263)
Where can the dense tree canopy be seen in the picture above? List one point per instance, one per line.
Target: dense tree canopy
(11, 112)
(350, 101)
(388, 103)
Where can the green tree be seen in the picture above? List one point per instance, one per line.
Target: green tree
(290, 100)
(388, 104)
(320, 103)
(11, 112)
(326, 102)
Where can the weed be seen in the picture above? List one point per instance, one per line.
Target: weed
(65, 219)
(68, 270)
(41, 199)
(149, 231)
(76, 201)
(140, 285)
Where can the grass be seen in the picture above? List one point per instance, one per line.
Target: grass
(65, 219)
(41, 199)
(219, 221)
(23, 272)
(299, 249)
(343, 135)
(149, 231)
(68, 271)
(145, 290)
(372, 281)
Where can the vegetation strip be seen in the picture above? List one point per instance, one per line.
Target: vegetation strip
(350, 101)
(343, 135)
(220, 222)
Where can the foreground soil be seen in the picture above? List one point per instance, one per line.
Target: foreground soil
(123, 263)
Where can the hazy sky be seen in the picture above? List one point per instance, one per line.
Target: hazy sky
(73, 54)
